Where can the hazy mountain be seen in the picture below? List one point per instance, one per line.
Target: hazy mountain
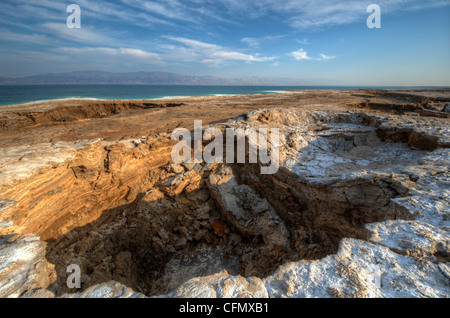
(5, 79)
(155, 78)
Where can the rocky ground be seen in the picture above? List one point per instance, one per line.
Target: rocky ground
(358, 208)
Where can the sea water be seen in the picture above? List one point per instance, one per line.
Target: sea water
(21, 94)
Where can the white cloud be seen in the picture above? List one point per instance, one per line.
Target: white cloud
(193, 43)
(300, 55)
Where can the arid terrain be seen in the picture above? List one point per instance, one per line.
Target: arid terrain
(358, 208)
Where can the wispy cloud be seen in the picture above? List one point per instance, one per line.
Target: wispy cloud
(30, 10)
(256, 42)
(212, 53)
(326, 57)
(178, 12)
(302, 55)
(34, 38)
(151, 57)
(169, 10)
(303, 41)
(312, 14)
(104, 56)
(298, 14)
(83, 35)
(62, 59)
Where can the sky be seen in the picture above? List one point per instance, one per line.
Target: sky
(308, 42)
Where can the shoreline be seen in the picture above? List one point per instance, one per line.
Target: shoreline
(264, 92)
(93, 99)
(165, 98)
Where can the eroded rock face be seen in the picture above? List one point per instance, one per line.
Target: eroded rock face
(23, 265)
(244, 210)
(358, 208)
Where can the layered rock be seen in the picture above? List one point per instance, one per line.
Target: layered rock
(80, 185)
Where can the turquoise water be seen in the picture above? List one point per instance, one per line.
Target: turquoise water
(20, 94)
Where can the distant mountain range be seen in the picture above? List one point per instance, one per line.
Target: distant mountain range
(152, 78)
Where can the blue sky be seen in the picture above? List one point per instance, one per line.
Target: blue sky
(308, 41)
